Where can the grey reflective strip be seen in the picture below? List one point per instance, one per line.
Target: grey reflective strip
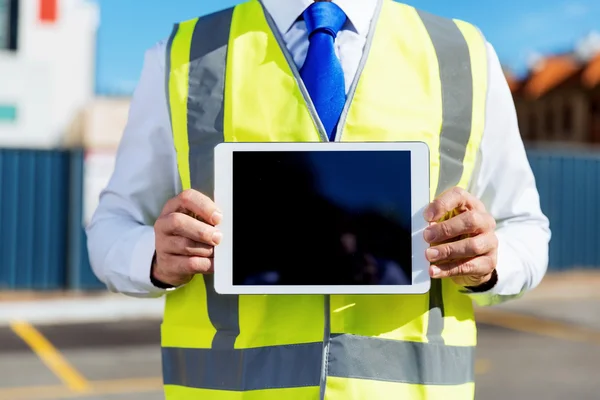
(168, 67)
(224, 314)
(457, 96)
(300, 365)
(406, 362)
(244, 369)
(457, 112)
(435, 325)
(208, 60)
(206, 98)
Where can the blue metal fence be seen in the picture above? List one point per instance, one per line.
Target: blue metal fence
(34, 205)
(569, 186)
(43, 243)
(80, 275)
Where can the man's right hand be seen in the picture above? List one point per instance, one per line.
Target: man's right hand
(186, 234)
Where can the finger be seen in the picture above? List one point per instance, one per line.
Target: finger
(451, 199)
(178, 224)
(179, 245)
(470, 222)
(196, 203)
(477, 266)
(195, 265)
(466, 248)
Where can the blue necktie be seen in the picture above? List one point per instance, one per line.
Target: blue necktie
(322, 72)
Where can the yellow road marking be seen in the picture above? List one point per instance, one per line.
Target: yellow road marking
(53, 359)
(97, 388)
(538, 326)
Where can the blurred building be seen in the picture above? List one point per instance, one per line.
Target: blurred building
(98, 129)
(559, 99)
(47, 69)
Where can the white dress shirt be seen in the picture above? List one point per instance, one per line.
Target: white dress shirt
(121, 239)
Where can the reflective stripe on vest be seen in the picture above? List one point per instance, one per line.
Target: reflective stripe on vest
(350, 357)
(328, 347)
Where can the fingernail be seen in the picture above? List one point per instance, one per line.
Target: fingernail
(435, 271)
(216, 218)
(217, 237)
(432, 254)
(428, 235)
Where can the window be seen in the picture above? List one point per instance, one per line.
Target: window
(4, 13)
(595, 121)
(8, 113)
(533, 129)
(595, 108)
(549, 122)
(9, 17)
(567, 119)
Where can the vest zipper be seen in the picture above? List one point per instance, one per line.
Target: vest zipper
(326, 343)
(324, 138)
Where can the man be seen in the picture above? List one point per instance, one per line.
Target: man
(350, 70)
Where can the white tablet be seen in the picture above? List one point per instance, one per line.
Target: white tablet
(322, 218)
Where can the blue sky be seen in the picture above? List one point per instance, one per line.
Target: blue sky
(516, 28)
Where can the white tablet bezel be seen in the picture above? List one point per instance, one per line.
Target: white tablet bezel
(420, 198)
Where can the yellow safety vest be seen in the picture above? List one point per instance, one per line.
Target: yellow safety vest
(230, 78)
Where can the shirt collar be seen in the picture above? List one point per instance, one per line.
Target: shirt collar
(286, 12)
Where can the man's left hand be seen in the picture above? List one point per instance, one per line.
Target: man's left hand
(465, 246)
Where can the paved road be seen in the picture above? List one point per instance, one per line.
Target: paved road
(536, 359)
(527, 366)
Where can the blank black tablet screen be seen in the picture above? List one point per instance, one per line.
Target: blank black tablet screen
(322, 218)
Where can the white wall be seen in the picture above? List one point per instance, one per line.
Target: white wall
(104, 121)
(98, 168)
(28, 86)
(102, 128)
(51, 76)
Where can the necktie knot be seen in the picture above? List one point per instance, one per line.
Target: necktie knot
(324, 17)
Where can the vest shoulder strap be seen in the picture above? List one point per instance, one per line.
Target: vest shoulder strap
(462, 58)
(196, 55)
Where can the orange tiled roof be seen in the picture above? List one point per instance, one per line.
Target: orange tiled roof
(551, 72)
(591, 73)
